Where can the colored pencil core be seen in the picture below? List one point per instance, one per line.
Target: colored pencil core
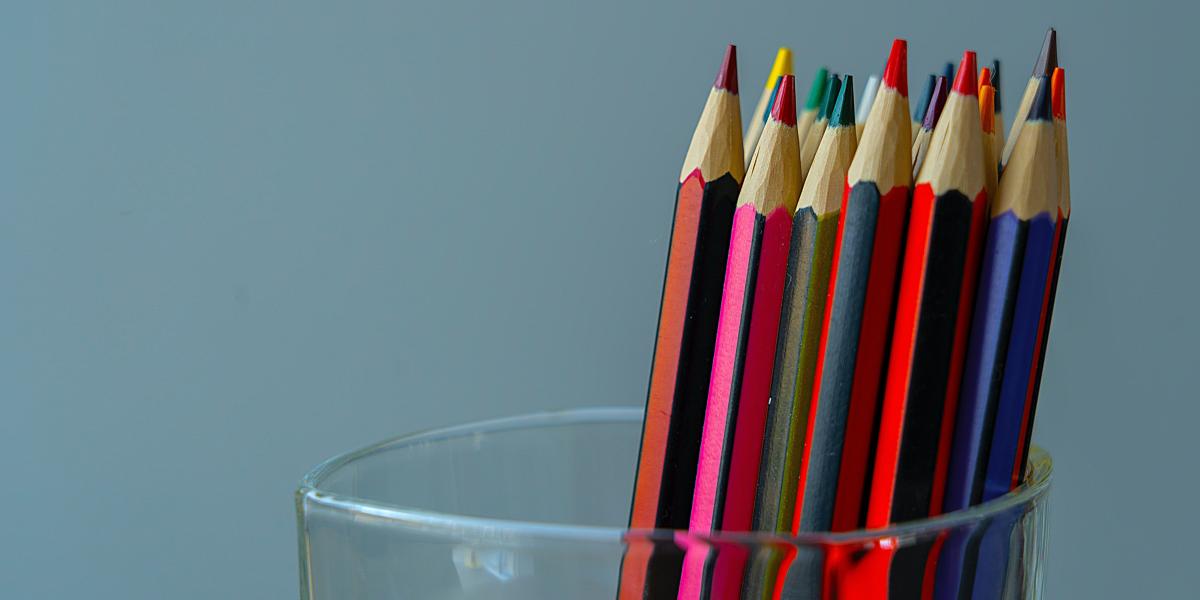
(784, 109)
(727, 76)
(895, 74)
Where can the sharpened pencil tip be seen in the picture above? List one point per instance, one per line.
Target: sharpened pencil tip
(774, 90)
(1058, 93)
(895, 74)
(843, 109)
(948, 71)
(727, 78)
(1048, 58)
(936, 102)
(964, 82)
(831, 96)
(816, 92)
(987, 108)
(784, 109)
(782, 66)
(1040, 109)
(985, 77)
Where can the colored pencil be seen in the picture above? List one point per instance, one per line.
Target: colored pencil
(987, 122)
(1020, 217)
(1035, 178)
(947, 552)
(813, 104)
(1009, 444)
(948, 71)
(708, 188)
(1012, 291)
(920, 146)
(858, 312)
(731, 443)
(1058, 101)
(758, 118)
(918, 109)
(810, 143)
(945, 234)
(992, 77)
(864, 105)
(1046, 61)
(814, 229)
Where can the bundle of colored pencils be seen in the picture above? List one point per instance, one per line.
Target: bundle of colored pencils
(854, 320)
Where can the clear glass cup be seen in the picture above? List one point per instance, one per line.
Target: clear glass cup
(535, 507)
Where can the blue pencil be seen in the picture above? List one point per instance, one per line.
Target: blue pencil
(1004, 334)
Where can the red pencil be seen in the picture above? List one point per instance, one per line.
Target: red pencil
(945, 234)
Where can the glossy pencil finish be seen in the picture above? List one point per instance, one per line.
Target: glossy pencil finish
(1058, 101)
(865, 104)
(941, 90)
(1044, 66)
(814, 229)
(758, 118)
(858, 313)
(739, 391)
(810, 143)
(708, 188)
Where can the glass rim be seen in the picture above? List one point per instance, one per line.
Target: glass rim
(1034, 488)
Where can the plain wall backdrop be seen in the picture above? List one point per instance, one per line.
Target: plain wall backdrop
(238, 238)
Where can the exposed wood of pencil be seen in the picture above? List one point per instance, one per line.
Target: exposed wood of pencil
(758, 118)
(743, 360)
(708, 189)
(1046, 61)
(858, 313)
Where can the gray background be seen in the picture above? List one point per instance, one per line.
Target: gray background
(238, 238)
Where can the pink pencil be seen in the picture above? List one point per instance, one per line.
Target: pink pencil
(740, 385)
